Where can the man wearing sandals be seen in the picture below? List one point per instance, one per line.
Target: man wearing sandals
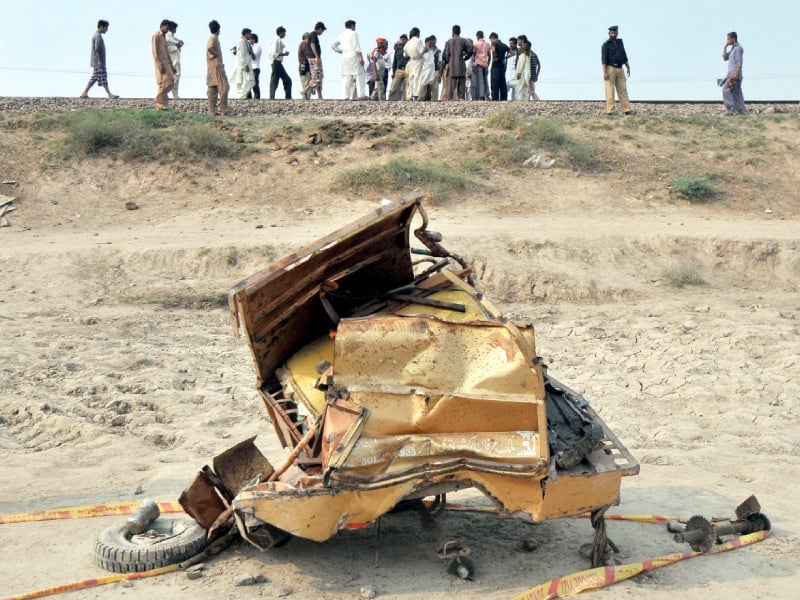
(98, 61)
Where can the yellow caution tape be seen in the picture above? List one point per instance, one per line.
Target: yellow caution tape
(87, 583)
(601, 577)
(570, 585)
(86, 512)
(642, 518)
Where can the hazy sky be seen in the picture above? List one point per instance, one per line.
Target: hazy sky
(674, 47)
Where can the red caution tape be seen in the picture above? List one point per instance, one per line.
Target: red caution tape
(86, 512)
(87, 583)
(601, 577)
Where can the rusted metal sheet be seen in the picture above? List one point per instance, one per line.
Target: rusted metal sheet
(201, 501)
(279, 308)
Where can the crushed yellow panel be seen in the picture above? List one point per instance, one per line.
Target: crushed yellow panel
(301, 371)
(381, 352)
(316, 513)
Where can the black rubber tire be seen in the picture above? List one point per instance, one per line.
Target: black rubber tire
(165, 542)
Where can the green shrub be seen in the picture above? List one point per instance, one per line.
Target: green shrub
(508, 119)
(522, 136)
(584, 157)
(436, 178)
(140, 134)
(547, 132)
(695, 189)
(683, 274)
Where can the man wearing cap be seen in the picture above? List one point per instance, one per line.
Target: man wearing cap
(614, 57)
(731, 85)
(377, 71)
(315, 60)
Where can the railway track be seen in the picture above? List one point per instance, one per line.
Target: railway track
(432, 110)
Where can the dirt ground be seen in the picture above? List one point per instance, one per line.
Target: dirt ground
(120, 376)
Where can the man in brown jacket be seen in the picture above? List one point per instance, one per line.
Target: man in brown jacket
(216, 79)
(165, 72)
(456, 52)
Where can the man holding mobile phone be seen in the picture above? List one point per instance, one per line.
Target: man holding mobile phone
(731, 85)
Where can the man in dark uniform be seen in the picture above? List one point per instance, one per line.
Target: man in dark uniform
(499, 55)
(614, 57)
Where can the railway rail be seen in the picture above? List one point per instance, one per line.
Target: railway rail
(432, 110)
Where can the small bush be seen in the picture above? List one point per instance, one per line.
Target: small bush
(547, 132)
(584, 157)
(695, 189)
(436, 178)
(507, 119)
(136, 135)
(536, 134)
(683, 274)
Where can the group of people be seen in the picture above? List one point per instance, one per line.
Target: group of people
(465, 68)
(419, 69)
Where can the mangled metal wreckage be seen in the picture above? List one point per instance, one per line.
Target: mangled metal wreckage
(392, 379)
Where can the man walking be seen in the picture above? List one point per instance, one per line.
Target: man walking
(255, 55)
(353, 79)
(163, 66)
(315, 60)
(216, 79)
(243, 77)
(276, 53)
(732, 96)
(613, 57)
(98, 61)
(303, 66)
(174, 46)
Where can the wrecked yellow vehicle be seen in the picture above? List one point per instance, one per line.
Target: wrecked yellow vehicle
(392, 379)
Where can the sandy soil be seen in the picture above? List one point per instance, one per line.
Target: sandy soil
(120, 376)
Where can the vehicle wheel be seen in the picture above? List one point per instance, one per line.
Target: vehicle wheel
(164, 542)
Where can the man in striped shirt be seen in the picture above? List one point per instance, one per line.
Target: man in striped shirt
(536, 69)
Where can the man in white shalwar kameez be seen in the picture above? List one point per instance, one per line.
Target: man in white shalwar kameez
(243, 77)
(353, 79)
(414, 50)
(429, 73)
